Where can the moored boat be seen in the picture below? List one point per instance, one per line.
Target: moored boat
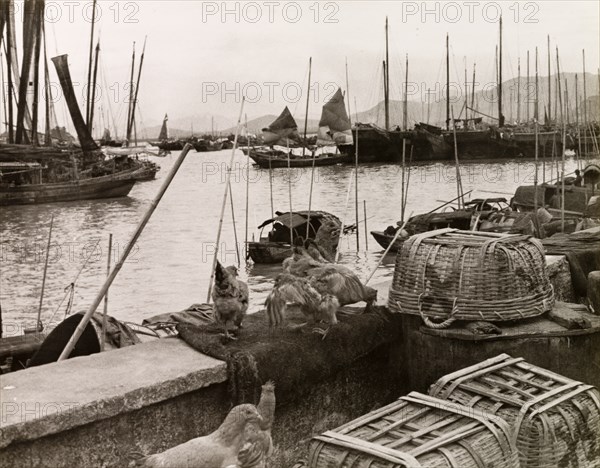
(274, 159)
(276, 246)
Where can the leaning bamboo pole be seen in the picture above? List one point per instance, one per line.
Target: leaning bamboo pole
(39, 314)
(337, 252)
(224, 204)
(138, 231)
(247, 189)
(235, 236)
(105, 312)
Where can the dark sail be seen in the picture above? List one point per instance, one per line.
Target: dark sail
(62, 69)
(164, 131)
(335, 124)
(283, 129)
(30, 18)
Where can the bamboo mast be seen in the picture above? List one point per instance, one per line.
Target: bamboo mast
(138, 231)
(4, 106)
(39, 314)
(405, 107)
(227, 181)
(128, 127)
(536, 120)
(473, 89)
(89, 78)
(47, 94)
(549, 117)
(585, 114)
(500, 116)
(94, 81)
(137, 89)
(527, 88)
(307, 102)
(38, 18)
(386, 72)
(518, 91)
(564, 142)
(314, 155)
(9, 80)
(447, 82)
(577, 121)
(459, 189)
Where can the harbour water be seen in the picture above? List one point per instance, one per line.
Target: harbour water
(169, 268)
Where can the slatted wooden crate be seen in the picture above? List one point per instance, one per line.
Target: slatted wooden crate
(452, 275)
(554, 421)
(417, 431)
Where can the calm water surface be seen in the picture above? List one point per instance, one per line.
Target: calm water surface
(169, 268)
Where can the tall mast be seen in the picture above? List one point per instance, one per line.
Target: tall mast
(28, 45)
(386, 72)
(89, 78)
(473, 89)
(500, 116)
(4, 107)
(9, 81)
(47, 95)
(519, 90)
(405, 112)
(128, 127)
(137, 88)
(37, 29)
(466, 97)
(559, 91)
(549, 86)
(577, 116)
(447, 82)
(527, 89)
(307, 101)
(537, 87)
(585, 115)
(385, 95)
(92, 102)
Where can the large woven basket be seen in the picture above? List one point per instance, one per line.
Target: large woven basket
(417, 431)
(462, 275)
(554, 421)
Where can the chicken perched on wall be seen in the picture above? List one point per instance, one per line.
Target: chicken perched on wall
(299, 292)
(230, 297)
(217, 450)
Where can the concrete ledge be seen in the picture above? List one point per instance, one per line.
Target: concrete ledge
(58, 397)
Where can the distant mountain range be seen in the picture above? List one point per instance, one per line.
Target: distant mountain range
(418, 111)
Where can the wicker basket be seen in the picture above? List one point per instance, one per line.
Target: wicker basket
(462, 275)
(554, 421)
(417, 431)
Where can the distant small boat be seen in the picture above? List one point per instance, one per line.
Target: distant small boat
(274, 159)
(324, 228)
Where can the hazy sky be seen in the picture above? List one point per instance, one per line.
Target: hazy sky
(201, 56)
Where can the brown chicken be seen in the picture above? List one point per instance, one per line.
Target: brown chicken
(300, 292)
(230, 297)
(217, 450)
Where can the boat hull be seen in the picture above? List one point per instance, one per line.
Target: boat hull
(384, 240)
(266, 160)
(269, 252)
(86, 189)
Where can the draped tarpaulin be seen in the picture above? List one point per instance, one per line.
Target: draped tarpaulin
(283, 129)
(335, 124)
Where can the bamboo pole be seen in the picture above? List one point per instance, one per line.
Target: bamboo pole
(306, 112)
(247, 188)
(356, 183)
(366, 229)
(408, 178)
(337, 252)
(398, 232)
(88, 315)
(585, 113)
(459, 188)
(39, 314)
(228, 178)
(271, 188)
(402, 204)
(235, 236)
(289, 174)
(105, 312)
(89, 77)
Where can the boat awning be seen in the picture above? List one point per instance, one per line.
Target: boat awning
(298, 218)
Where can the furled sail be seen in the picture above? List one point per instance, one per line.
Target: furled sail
(335, 124)
(282, 130)
(164, 131)
(62, 70)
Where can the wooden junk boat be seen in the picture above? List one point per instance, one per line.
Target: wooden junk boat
(478, 209)
(276, 246)
(276, 158)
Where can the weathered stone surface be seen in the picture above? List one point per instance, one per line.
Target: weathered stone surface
(58, 397)
(593, 290)
(570, 316)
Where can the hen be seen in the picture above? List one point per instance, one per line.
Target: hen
(230, 297)
(217, 450)
(300, 292)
